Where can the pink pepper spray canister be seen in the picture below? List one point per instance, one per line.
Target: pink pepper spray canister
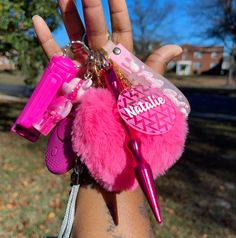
(47, 105)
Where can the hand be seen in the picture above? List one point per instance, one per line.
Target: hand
(97, 31)
(96, 220)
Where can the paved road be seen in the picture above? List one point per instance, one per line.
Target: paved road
(218, 104)
(16, 90)
(210, 103)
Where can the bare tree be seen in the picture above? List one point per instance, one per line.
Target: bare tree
(217, 20)
(147, 18)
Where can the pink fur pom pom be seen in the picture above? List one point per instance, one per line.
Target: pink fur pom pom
(99, 137)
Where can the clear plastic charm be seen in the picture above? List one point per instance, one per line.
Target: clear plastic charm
(139, 73)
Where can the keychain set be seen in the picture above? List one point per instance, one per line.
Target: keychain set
(113, 114)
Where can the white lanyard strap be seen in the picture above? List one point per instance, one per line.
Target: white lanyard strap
(66, 227)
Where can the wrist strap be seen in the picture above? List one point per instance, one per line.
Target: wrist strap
(66, 227)
(67, 224)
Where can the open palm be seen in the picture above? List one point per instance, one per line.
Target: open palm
(97, 32)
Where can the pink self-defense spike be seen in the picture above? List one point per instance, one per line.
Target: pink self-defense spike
(143, 171)
(145, 179)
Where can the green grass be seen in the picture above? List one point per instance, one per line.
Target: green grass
(197, 195)
(31, 199)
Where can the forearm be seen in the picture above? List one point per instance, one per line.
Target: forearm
(101, 214)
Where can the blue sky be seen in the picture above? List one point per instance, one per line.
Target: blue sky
(179, 27)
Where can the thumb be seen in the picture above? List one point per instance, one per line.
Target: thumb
(159, 59)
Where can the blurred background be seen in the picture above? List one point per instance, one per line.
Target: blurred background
(198, 195)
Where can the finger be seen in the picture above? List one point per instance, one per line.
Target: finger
(45, 37)
(121, 27)
(95, 23)
(72, 21)
(159, 59)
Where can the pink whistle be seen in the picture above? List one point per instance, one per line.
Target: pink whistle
(47, 105)
(142, 169)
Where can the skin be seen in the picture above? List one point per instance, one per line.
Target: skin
(111, 215)
(102, 214)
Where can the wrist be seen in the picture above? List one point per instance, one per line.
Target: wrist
(110, 214)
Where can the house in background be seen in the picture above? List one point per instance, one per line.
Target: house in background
(199, 60)
(6, 61)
